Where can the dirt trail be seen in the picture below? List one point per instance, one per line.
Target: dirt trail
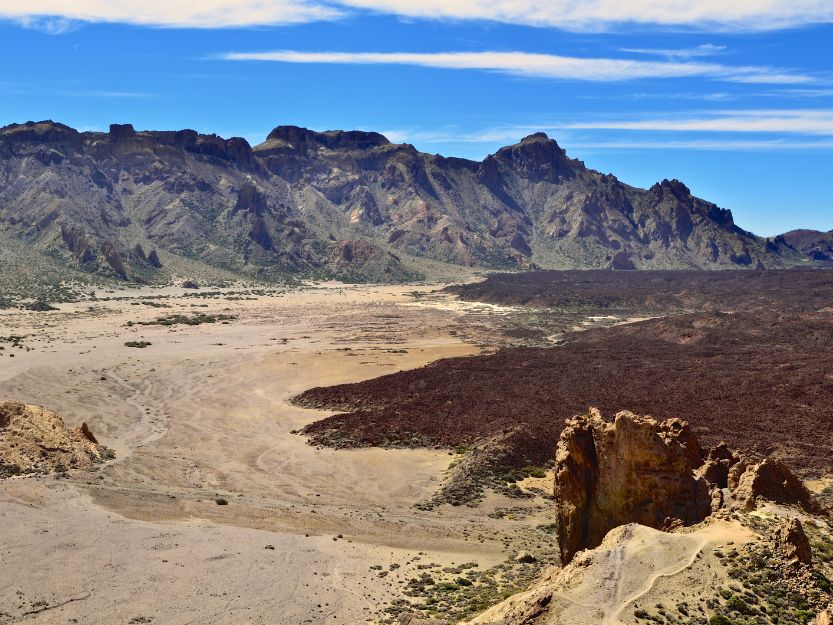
(675, 561)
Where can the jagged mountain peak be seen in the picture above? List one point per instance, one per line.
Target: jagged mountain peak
(536, 136)
(673, 186)
(538, 142)
(303, 138)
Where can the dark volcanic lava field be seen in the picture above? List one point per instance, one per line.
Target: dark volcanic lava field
(760, 378)
(794, 289)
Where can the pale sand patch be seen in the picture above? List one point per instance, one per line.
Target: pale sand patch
(202, 414)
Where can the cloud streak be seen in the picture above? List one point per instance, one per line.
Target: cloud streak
(781, 130)
(575, 15)
(599, 15)
(801, 121)
(502, 136)
(56, 16)
(534, 65)
(706, 49)
(727, 145)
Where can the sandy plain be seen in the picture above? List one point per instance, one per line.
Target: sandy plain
(202, 415)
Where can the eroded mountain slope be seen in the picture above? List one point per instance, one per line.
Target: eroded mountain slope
(352, 204)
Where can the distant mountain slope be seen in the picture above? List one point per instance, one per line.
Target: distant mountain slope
(348, 204)
(814, 244)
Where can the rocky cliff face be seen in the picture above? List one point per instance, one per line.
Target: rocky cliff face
(633, 470)
(297, 201)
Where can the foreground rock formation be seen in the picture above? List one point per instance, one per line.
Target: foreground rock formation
(619, 484)
(640, 470)
(633, 470)
(35, 440)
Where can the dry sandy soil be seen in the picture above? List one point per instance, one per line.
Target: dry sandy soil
(202, 415)
(635, 566)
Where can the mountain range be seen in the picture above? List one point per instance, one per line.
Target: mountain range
(348, 204)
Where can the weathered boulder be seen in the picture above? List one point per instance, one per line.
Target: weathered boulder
(772, 480)
(633, 470)
(525, 557)
(35, 440)
(793, 543)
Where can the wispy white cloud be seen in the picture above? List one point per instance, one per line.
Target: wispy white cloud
(799, 93)
(803, 121)
(808, 129)
(706, 49)
(53, 15)
(577, 15)
(501, 136)
(714, 96)
(597, 15)
(51, 25)
(726, 145)
(535, 65)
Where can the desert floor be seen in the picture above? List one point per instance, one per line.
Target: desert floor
(202, 415)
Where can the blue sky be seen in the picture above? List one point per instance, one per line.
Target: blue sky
(735, 99)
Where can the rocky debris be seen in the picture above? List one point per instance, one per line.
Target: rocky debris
(772, 480)
(720, 372)
(793, 543)
(34, 440)
(525, 557)
(635, 469)
(413, 618)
